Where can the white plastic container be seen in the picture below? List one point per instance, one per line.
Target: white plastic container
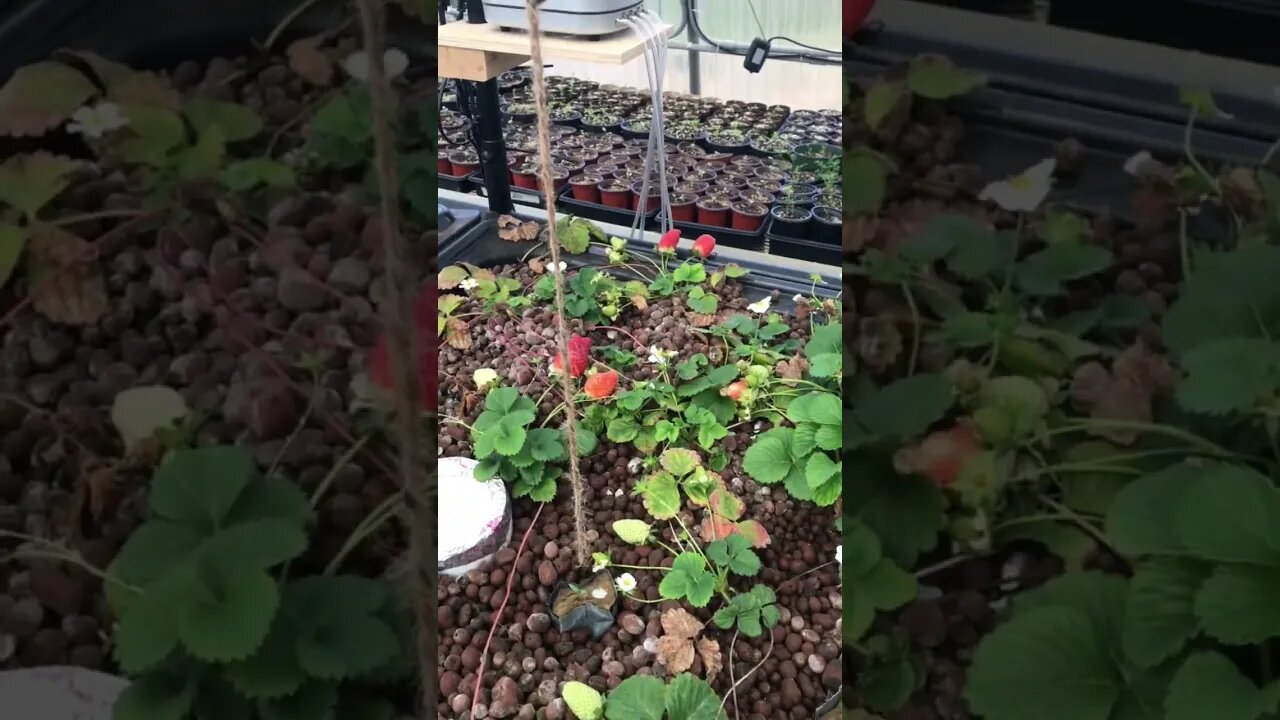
(567, 17)
(474, 517)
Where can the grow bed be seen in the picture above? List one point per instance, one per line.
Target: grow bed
(192, 267)
(513, 336)
(728, 163)
(1042, 401)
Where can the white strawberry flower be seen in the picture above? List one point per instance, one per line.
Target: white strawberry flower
(94, 121)
(761, 307)
(626, 582)
(599, 593)
(633, 465)
(469, 284)
(660, 357)
(840, 555)
(798, 298)
(394, 60)
(484, 377)
(1023, 192)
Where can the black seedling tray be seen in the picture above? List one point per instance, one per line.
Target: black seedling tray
(457, 183)
(800, 248)
(747, 240)
(604, 213)
(480, 245)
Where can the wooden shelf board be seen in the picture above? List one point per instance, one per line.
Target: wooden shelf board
(480, 52)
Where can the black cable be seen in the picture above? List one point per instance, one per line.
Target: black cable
(691, 15)
(800, 44)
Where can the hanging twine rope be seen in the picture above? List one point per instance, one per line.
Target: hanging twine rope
(403, 345)
(553, 241)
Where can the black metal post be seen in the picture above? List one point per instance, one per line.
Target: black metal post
(493, 149)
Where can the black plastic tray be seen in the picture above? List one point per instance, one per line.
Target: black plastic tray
(604, 213)
(800, 248)
(480, 245)
(747, 240)
(457, 183)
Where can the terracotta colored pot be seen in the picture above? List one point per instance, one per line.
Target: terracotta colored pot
(854, 14)
(714, 212)
(586, 188)
(615, 194)
(682, 207)
(525, 177)
(748, 216)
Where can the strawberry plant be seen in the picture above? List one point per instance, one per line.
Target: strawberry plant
(507, 447)
(205, 628)
(643, 697)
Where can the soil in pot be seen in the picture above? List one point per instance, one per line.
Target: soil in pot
(713, 210)
(615, 193)
(559, 177)
(757, 196)
(586, 188)
(748, 216)
(727, 142)
(697, 187)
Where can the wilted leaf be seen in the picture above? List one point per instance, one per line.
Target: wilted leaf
(310, 62)
(726, 505)
(715, 528)
(448, 278)
(678, 622)
(709, 651)
(38, 97)
(792, 369)
(676, 653)
(754, 532)
(67, 285)
(457, 334)
(512, 229)
(12, 240)
(537, 266)
(143, 88)
(698, 319)
(138, 413)
(29, 182)
(640, 301)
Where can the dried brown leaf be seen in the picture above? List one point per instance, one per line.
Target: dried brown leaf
(702, 319)
(537, 266)
(678, 622)
(310, 62)
(640, 301)
(709, 651)
(676, 653)
(529, 230)
(508, 228)
(457, 334)
(144, 88)
(1138, 365)
(67, 285)
(792, 369)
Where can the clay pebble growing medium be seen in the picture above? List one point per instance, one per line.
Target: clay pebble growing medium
(957, 608)
(529, 659)
(223, 314)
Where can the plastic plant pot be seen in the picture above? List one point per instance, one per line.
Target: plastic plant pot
(697, 187)
(589, 607)
(559, 179)
(714, 211)
(748, 216)
(615, 193)
(712, 167)
(744, 161)
(683, 207)
(464, 162)
(828, 224)
(443, 166)
(791, 220)
(713, 156)
(525, 176)
(655, 196)
(586, 188)
(726, 144)
(797, 194)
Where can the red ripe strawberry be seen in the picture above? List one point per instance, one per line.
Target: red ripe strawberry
(601, 385)
(669, 240)
(579, 356)
(733, 390)
(943, 454)
(424, 312)
(704, 246)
